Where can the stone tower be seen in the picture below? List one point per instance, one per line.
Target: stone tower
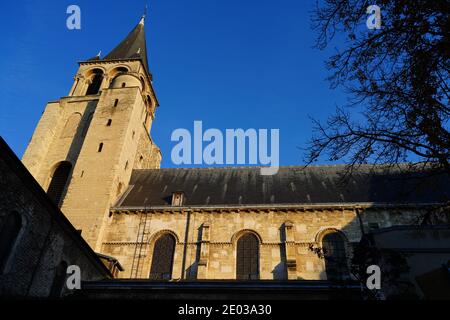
(87, 143)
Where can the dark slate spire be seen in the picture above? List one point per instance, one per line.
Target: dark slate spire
(132, 47)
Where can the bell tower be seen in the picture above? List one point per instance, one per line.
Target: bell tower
(86, 144)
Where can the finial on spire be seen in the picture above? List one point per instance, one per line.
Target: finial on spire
(129, 46)
(143, 16)
(99, 53)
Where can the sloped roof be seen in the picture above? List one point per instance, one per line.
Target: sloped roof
(134, 46)
(292, 185)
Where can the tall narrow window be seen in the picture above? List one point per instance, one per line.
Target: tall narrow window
(94, 86)
(59, 181)
(100, 147)
(162, 261)
(335, 257)
(108, 124)
(116, 102)
(177, 198)
(9, 230)
(247, 257)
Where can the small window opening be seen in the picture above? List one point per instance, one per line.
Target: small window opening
(116, 102)
(100, 147)
(177, 198)
(109, 123)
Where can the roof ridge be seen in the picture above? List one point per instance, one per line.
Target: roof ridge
(281, 167)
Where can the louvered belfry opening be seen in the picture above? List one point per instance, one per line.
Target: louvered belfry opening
(59, 181)
(333, 245)
(162, 261)
(247, 258)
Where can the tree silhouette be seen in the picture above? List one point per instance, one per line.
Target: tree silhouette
(397, 80)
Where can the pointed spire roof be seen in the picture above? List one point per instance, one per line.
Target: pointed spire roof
(134, 46)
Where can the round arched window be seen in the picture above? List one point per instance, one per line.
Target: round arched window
(247, 257)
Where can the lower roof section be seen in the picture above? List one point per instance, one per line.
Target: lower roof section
(245, 186)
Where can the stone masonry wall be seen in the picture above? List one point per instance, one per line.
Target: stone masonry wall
(119, 117)
(43, 241)
(212, 254)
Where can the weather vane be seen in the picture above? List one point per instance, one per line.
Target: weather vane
(144, 15)
(145, 10)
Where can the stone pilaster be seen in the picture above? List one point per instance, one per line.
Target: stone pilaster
(204, 251)
(289, 246)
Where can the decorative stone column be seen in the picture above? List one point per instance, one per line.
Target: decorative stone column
(84, 87)
(289, 246)
(78, 85)
(106, 82)
(204, 251)
(76, 80)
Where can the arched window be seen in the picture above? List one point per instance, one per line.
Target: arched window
(94, 86)
(247, 257)
(162, 261)
(9, 230)
(118, 70)
(59, 181)
(333, 245)
(71, 125)
(59, 280)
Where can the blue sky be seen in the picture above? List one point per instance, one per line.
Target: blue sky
(231, 64)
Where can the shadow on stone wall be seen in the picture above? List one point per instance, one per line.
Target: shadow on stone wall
(78, 141)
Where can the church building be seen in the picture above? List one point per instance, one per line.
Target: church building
(93, 154)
